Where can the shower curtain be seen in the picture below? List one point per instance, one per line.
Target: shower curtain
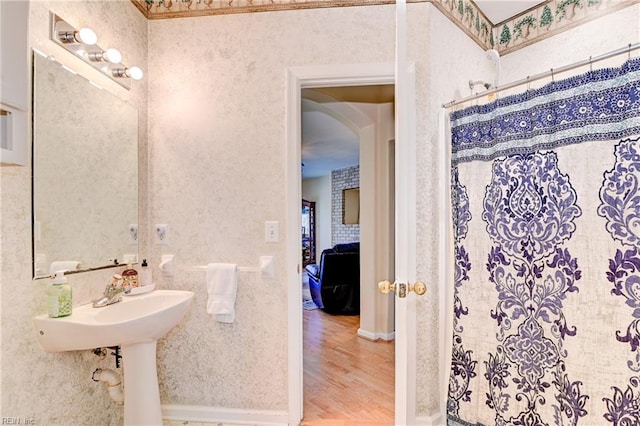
(546, 216)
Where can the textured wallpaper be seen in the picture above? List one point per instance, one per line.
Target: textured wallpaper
(217, 133)
(38, 385)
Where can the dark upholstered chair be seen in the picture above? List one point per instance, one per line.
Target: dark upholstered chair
(335, 282)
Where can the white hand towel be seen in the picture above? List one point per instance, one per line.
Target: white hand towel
(222, 284)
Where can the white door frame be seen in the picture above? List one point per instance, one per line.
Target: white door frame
(352, 75)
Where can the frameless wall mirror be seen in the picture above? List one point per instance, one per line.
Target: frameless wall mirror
(85, 173)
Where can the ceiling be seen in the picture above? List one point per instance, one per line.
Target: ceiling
(501, 10)
(327, 143)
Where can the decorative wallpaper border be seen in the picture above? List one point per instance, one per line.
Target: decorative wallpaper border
(542, 21)
(468, 17)
(548, 18)
(165, 9)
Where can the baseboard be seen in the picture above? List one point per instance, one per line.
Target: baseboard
(196, 413)
(376, 336)
(435, 419)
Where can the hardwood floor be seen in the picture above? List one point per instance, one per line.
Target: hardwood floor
(348, 380)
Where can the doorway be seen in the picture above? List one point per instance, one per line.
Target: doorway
(301, 77)
(347, 147)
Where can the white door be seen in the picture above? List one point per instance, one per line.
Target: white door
(345, 75)
(405, 227)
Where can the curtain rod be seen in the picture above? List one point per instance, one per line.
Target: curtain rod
(551, 73)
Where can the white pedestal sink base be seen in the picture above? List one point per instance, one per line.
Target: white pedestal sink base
(135, 324)
(141, 393)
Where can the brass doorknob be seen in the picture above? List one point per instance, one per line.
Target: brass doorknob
(385, 287)
(419, 288)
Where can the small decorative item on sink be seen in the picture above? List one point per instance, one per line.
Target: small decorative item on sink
(130, 276)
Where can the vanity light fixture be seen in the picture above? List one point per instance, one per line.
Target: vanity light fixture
(110, 55)
(134, 73)
(82, 43)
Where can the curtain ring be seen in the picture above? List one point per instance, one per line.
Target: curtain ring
(552, 76)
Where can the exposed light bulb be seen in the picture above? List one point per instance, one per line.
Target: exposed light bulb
(113, 56)
(135, 73)
(110, 55)
(87, 36)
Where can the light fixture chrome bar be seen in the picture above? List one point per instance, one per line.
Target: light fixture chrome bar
(67, 37)
(76, 42)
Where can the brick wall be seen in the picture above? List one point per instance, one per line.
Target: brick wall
(346, 178)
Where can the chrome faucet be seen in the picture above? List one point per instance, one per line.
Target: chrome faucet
(113, 292)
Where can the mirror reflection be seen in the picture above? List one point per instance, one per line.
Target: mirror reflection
(85, 173)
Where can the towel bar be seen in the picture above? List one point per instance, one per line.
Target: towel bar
(266, 269)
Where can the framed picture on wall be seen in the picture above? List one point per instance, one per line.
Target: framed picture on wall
(351, 206)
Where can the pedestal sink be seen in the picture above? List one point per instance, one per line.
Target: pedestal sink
(135, 324)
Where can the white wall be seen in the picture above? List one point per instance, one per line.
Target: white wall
(376, 236)
(217, 174)
(319, 190)
(445, 59)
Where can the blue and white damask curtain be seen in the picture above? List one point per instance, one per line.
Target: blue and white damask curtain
(546, 213)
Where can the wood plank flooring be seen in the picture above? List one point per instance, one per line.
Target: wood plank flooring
(348, 380)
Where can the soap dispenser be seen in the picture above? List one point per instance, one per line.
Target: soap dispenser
(59, 301)
(145, 274)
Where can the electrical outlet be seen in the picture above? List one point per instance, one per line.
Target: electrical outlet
(133, 233)
(162, 234)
